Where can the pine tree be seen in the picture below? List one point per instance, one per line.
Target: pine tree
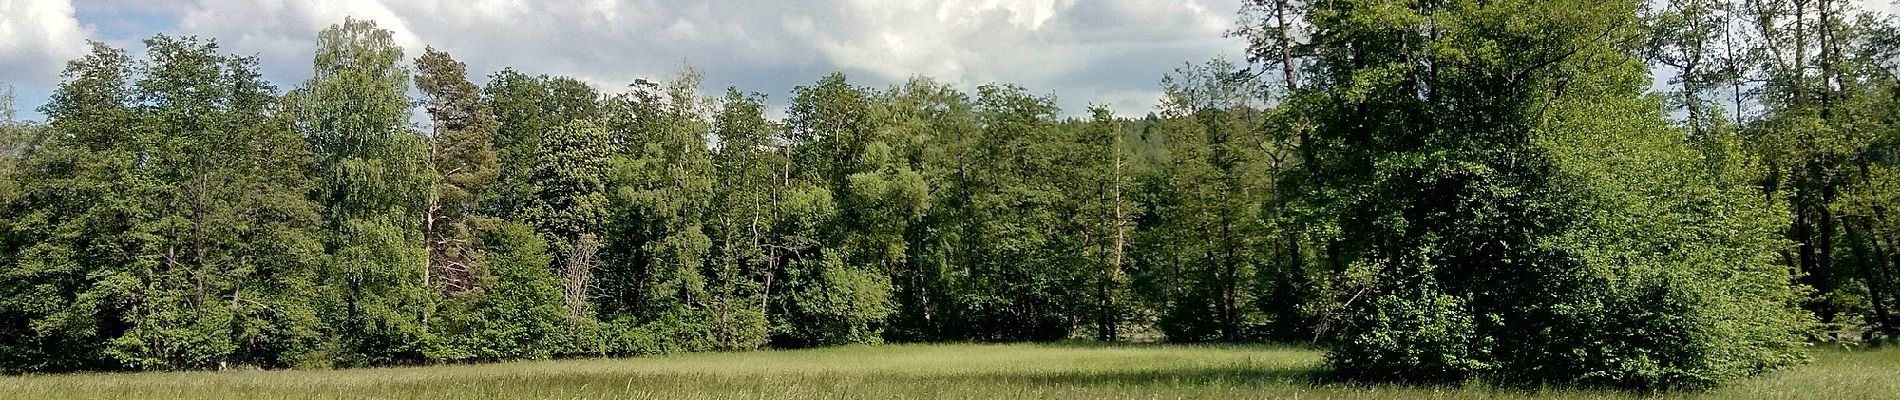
(462, 155)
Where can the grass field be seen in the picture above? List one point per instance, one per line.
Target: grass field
(1019, 371)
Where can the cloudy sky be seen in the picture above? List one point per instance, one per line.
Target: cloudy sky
(1098, 51)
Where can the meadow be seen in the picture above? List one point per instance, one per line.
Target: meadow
(938, 371)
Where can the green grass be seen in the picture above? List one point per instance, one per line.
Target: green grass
(961, 371)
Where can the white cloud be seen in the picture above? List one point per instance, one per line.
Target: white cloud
(1109, 48)
(1106, 51)
(1891, 7)
(37, 37)
(1103, 51)
(283, 32)
(763, 46)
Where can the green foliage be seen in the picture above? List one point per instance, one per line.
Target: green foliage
(525, 108)
(371, 179)
(1012, 279)
(1444, 192)
(1210, 241)
(664, 188)
(570, 204)
(213, 238)
(743, 211)
(930, 130)
(1670, 246)
(70, 250)
(513, 308)
(1823, 126)
(1549, 229)
(462, 157)
(843, 201)
(1097, 189)
(568, 173)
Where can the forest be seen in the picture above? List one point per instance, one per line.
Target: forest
(1434, 191)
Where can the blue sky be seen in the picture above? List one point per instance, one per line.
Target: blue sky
(1098, 51)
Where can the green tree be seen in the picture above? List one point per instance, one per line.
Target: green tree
(1821, 75)
(1476, 208)
(835, 294)
(743, 213)
(14, 137)
(1209, 248)
(462, 155)
(238, 235)
(202, 187)
(73, 254)
(525, 108)
(372, 180)
(1009, 276)
(1098, 188)
(931, 125)
(513, 307)
(663, 179)
(569, 174)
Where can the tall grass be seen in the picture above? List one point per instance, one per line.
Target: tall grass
(950, 371)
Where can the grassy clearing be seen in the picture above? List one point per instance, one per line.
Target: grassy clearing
(905, 371)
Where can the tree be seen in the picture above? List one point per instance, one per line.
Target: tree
(373, 178)
(1433, 207)
(7, 100)
(837, 292)
(235, 230)
(884, 197)
(570, 204)
(525, 108)
(931, 126)
(513, 307)
(1821, 76)
(1475, 238)
(462, 154)
(663, 175)
(1442, 191)
(13, 141)
(740, 220)
(1010, 275)
(1104, 220)
(1209, 249)
(200, 188)
(1684, 36)
(72, 252)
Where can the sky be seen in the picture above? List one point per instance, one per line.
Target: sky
(1111, 52)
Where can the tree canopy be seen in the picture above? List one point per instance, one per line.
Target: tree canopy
(1437, 192)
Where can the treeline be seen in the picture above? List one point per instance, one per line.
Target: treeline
(1440, 191)
(176, 212)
